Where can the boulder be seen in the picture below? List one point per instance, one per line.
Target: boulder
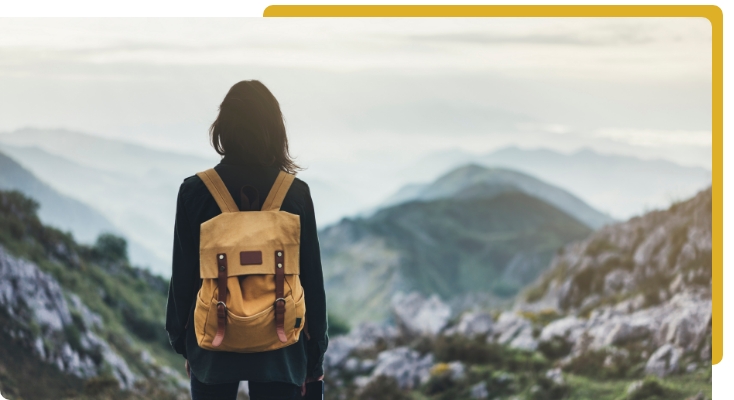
(664, 361)
(406, 366)
(569, 328)
(524, 340)
(514, 331)
(472, 324)
(687, 323)
(417, 315)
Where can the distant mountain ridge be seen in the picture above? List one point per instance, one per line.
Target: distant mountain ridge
(618, 185)
(482, 239)
(477, 181)
(64, 212)
(135, 187)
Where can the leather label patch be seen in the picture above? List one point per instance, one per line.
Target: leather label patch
(251, 257)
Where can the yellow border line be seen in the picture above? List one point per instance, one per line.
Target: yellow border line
(712, 13)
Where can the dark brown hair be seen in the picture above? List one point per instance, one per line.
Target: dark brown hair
(250, 127)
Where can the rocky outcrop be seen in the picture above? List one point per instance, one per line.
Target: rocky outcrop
(644, 283)
(514, 331)
(41, 318)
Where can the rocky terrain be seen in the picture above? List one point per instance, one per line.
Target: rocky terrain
(74, 320)
(622, 314)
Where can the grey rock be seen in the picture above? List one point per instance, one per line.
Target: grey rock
(31, 296)
(514, 331)
(90, 319)
(569, 328)
(664, 361)
(479, 391)
(618, 281)
(25, 288)
(364, 336)
(556, 375)
(407, 366)
(524, 340)
(457, 370)
(472, 324)
(416, 315)
(691, 367)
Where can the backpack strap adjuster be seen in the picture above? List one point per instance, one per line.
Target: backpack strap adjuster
(221, 297)
(279, 296)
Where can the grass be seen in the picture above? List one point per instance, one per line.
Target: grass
(672, 388)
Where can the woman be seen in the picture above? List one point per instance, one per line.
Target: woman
(250, 135)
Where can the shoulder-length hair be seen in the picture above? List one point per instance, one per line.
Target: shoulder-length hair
(250, 127)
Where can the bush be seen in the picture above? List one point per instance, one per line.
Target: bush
(555, 348)
(110, 248)
(337, 325)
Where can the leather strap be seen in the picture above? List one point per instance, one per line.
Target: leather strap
(279, 300)
(218, 190)
(278, 191)
(221, 300)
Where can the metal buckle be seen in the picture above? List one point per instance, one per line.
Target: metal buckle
(223, 304)
(277, 300)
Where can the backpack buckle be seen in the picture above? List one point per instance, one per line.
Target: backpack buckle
(277, 300)
(223, 305)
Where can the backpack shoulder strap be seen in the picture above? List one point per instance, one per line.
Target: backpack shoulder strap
(220, 193)
(278, 191)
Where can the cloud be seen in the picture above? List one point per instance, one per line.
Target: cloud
(656, 138)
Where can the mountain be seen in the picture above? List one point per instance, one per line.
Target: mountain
(108, 155)
(476, 241)
(56, 209)
(133, 186)
(66, 213)
(623, 313)
(77, 321)
(621, 186)
(477, 181)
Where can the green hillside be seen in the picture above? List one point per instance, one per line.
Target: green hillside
(130, 302)
(451, 247)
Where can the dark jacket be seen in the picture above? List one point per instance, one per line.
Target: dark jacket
(195, 205)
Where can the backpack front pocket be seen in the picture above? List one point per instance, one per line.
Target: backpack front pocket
(253, 333)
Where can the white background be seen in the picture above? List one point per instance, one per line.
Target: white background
(253, 8)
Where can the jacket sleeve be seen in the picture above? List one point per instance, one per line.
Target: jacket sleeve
(184, 274)
(313, 286)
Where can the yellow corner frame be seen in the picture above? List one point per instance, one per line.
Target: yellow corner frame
(711, 13)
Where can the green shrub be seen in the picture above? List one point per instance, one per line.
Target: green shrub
(651, 389)
(337, 325)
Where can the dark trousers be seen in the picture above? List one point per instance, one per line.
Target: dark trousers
(258, 390)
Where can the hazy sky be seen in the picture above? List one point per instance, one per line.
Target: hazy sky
(361, 92)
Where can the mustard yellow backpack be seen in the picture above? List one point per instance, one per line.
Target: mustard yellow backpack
(251, 299)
